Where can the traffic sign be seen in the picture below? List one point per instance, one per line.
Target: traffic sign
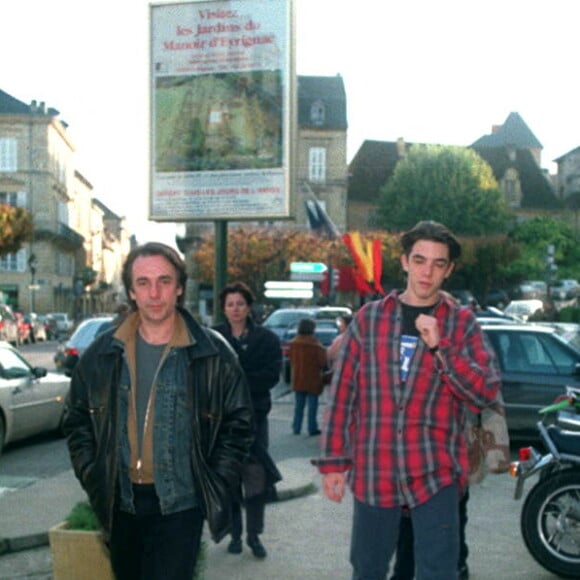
(288, 289)
(308, 267)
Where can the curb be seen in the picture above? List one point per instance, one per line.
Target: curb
(22, 543)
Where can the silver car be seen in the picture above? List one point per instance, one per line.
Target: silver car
(31, 399)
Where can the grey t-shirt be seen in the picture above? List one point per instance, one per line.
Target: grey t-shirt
(147, 361)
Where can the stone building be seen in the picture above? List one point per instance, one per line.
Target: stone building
(53, 272)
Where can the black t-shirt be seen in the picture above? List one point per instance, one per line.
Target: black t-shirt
(410, 335)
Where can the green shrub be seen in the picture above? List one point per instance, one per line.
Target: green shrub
(569, 314)
(82, 517)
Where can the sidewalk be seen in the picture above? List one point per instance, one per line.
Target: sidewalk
(27, 513)
(307, 537)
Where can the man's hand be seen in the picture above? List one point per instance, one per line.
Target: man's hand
(333, 485)
(428, 329)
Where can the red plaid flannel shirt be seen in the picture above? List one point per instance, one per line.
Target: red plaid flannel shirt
(402, 442)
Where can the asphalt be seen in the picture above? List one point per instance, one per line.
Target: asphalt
(307, 536)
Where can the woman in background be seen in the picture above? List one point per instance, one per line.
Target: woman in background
(307, 361)
(260, 355)
(342, 322)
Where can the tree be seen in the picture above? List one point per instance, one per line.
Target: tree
(15, 228)
(256, 255)
(452, 185)
(534, 236)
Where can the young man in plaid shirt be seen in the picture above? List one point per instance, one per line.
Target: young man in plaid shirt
(409, 366)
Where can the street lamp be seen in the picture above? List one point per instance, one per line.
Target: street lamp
(32, 263)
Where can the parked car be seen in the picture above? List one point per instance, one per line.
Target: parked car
(540, 288)
(524, 291)
(31, 399)
(9, 330)
(464, 297)
(48, 327)
(68, 354)
(497, 297)
(281, 319)
(37, 327)
(524, 309)
(564, 289)
(325, 331)
(23, 328)
(60, 324)
(537, 364)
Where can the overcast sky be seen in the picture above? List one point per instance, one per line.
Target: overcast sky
(430, 72)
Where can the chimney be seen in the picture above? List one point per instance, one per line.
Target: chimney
(495, 128)
(401, 148)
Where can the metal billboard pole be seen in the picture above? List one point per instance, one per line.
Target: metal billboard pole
(220, 277)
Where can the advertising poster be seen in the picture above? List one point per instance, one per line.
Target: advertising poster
(220, 110)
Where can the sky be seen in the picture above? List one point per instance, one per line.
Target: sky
(429, 72)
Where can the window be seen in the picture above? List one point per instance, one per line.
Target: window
(8, 154)
(317, 164)
(15, 262)
(13, 198)
(317, 113)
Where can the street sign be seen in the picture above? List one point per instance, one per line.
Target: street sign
(288, 289)
(301, 276)
(307, 268)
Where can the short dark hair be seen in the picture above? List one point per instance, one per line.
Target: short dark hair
(236, 288)
(306, 326)
(346, 318)
(434, 232)
(154, 249)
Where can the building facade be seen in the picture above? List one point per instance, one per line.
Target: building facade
(52, 272)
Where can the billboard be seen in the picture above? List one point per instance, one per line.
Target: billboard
(221, 110)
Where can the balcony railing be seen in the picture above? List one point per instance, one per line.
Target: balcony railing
(60, 234)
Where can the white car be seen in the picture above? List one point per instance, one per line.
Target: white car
(524, 308)
(564, 289)
(31, 399)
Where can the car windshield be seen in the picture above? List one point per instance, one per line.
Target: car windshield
(285, 317)
(87, 331)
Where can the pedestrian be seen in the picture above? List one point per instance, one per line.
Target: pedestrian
(260, 355)
(410, 364)
(342, 322)
(158, 424)
(488, 450)
(307, 360)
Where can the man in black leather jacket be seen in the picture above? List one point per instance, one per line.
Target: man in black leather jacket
(159, 421)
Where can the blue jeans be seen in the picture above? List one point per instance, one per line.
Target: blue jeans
(436, 524)
(300, 403)
(405, 559)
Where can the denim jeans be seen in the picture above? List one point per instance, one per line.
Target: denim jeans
(301, 398)
(436, 524)
(151, 546)
(404, 568)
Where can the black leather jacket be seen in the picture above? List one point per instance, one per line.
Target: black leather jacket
(221, 414)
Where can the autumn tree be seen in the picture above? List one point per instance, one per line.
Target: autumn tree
(256, 255)
(15, 228)
(451, 185)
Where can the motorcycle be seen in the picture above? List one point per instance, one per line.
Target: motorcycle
(550, 518)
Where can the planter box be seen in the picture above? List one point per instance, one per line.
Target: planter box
(78, 555)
